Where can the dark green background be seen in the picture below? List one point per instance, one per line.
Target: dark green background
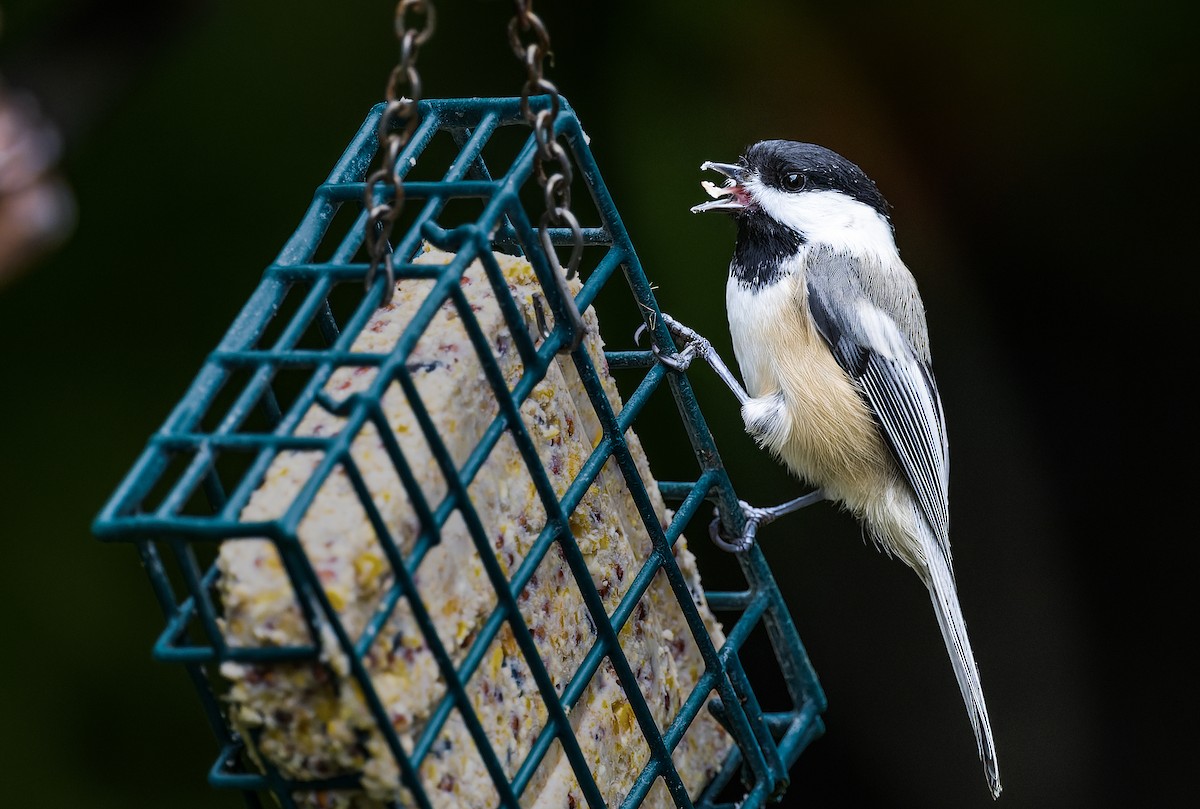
(1034, 155)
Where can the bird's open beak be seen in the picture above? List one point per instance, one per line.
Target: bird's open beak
(731, 195)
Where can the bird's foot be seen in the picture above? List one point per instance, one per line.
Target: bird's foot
(695, 345)
(755, 518)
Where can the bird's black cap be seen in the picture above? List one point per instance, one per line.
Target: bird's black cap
(821, 168)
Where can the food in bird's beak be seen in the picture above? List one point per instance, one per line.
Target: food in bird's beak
(715, 191)
(729, 196)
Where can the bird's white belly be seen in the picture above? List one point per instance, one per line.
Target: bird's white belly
(804, 408)
(757, 328)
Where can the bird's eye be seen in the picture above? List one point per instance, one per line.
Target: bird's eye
(793, 181)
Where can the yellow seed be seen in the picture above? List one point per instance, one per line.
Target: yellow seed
(624, 716)
(367, 568)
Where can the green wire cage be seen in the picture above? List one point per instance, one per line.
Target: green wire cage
(186, 497)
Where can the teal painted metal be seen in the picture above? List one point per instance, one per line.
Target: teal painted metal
(185, 457)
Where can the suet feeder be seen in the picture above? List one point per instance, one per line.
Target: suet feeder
(412, 555)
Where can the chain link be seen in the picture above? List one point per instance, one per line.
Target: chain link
(530, 42)
(414, 23)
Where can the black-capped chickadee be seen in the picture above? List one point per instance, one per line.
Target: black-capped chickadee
(830, 336)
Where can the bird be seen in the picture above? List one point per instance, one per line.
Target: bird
(830, 336)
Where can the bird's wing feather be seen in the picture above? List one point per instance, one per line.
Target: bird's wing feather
(869, 342)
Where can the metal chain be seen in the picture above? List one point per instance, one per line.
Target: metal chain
(555, 183)
(414, 26)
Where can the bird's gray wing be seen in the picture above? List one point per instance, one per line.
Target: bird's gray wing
(872, 338)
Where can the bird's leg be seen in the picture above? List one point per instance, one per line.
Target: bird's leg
(757, 517)
(699, 346)
(696, 346)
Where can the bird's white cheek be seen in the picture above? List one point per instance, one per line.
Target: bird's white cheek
(829, 217)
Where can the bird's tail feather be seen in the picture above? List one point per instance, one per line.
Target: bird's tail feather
(954, 631)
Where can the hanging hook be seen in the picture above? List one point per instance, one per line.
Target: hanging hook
(575, 322)
(539, 312)
(556, 183)
(559, 215)
(389, 269)
(414, 23)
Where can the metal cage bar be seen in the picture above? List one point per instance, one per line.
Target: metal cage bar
(767, 743)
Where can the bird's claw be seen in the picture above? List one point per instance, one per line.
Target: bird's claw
(696, 344)
(755, 518)
(676, 362)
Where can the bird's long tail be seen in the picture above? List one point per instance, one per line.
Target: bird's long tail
(944, 594)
